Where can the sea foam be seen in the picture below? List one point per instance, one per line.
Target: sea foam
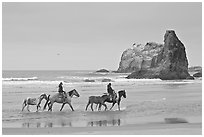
(20, 79)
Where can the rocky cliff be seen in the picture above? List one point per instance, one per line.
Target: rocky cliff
(165, 61)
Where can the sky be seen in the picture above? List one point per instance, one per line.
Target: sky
(91, 36)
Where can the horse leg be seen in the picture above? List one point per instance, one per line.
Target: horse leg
(50, 106)
(87, 105)
(38, 106)
(112, 105)
(46, 102)
(28, 108)
(96, 106)
(92, 106)
(119, 105)
(105, 106)
(24, 105)
(99, 108)
(71, 106)
(62, 106)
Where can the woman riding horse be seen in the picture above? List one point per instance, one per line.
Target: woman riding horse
(111, 92)
(121, 94)
(62, 92)
(56, 98)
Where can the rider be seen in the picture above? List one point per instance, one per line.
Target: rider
(62, 92)
(111, 92)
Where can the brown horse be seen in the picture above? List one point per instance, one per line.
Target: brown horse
(121, 94)
(97, 100)
(34, 101)
(58, 99)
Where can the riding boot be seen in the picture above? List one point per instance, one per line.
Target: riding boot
(111, 98)
(64, 99)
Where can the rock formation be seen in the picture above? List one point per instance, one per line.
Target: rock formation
(195, 69)
(139, 57)
(103, 70)
(199, 74)
(165, 61)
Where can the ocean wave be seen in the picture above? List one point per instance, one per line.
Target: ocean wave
(98, 80)
(132, 80)
(86, 79)
(30, 82)
(20, 79)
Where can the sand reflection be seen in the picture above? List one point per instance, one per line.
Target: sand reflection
(113, 122)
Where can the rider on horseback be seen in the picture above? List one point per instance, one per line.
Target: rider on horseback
(62, 92)
(111, 92)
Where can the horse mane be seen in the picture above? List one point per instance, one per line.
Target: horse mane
(70, 92)
(121, 91)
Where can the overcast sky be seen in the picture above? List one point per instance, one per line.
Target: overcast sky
(90, 36)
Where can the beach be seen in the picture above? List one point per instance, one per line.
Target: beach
(147, 129)
(152, 106)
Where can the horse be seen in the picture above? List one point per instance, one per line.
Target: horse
(56, 98)
(34, 101)
(121, 94)
(97, 100)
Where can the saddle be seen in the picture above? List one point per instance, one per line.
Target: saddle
(62, 95)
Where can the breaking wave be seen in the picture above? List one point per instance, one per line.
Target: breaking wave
(20, 79)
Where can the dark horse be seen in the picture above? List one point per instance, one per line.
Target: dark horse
(121, 94)
(97, 100)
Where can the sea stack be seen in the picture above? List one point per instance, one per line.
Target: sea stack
(166, 61)
(174, 63)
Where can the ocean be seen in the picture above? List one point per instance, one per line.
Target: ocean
(148, 100)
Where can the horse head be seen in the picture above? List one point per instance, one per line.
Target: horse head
(43, 96)
(73, 92)
(122, 93)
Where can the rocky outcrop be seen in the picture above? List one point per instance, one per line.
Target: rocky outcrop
(89, 80)
(195, 69)
(165, 61)
(103, 71)
(139, 57)
(106, 80)
(199, 74)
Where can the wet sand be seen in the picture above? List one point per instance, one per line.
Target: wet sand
(134, 129)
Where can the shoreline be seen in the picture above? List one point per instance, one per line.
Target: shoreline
(132, 129)
(151, 108)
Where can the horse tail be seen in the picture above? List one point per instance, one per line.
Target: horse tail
(48, 98)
